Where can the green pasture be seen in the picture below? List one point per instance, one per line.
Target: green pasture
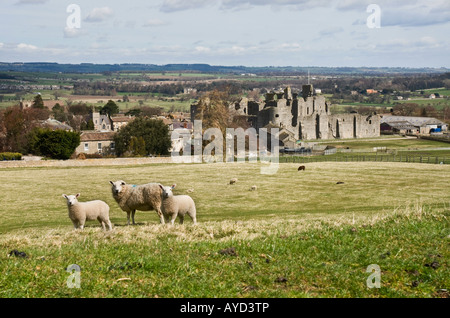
(393, 142)
(284, 194)
(300, 234)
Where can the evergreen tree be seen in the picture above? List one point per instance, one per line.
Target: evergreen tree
(153, 132)
(55, 144)
(38, 102)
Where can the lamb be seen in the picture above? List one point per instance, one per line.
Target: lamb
(80, 212)
(177, 205)
(233, 180)
(145, 197)
(253, 188)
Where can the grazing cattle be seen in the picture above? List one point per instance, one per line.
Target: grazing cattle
(301, 168)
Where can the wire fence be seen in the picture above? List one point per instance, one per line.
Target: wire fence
(363, 158)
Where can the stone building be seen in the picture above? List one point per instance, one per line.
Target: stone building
(304, 117)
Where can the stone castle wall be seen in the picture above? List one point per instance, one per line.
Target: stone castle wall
(306, 117)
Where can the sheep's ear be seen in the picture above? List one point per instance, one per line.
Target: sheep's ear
(64, 196)
(162, 188)
(111, 182)
(77, 195)
(173, 186)
(123, 183)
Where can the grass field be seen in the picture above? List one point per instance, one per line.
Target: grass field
(298, 235)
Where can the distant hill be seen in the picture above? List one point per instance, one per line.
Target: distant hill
(206, 68)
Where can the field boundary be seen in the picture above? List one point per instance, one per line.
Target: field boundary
(83, 163)
(367, 158)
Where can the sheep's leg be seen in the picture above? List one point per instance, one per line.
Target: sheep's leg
(193, 216)
(103, 225)
(161, 216)
(181, 218)
(128, 218)
(81, 224)
(108, 222)
(172, 221)
(132, 216)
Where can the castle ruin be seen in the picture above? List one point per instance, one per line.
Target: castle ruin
(305, 117)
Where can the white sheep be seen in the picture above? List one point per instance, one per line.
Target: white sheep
(177, 205)
(253, 188)
(233, 180)
(145, 197)
(80, 212)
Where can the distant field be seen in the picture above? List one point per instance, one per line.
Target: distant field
(299, 235)
(388, 141)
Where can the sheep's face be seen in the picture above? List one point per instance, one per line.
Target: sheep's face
(117, 186)
(167, 191)
(71, 199)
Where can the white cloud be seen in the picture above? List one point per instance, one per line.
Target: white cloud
(330, 31)
(154, 23)
(1, 45)
(179, 5)
(416, 17)
(425, 42)
(291, 46)
(202, 49)
(20, 2)
(99, 14)
(26, 47)
(73, 32)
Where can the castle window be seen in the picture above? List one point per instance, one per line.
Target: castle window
(277, 115)
(307, 110)
(370, 122)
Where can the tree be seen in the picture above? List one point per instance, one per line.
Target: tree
(17, 123)
(136, 148)
(153, 132)
(87, 125)
(38, 102)
(79, 109)
(55, 144)
(110, 109)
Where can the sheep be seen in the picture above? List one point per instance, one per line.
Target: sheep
(301, 168)
(80, 212)
(145, 197)
(233, 180)
(253, 188)
(177, 205)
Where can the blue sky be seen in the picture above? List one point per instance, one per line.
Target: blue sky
(413, 33)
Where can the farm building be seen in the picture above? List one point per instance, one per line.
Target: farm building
(422, 125)
(398, 127)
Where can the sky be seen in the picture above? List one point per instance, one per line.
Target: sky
(328, 33)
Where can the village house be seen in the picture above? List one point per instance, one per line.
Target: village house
(120, 121)
(96, 142)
